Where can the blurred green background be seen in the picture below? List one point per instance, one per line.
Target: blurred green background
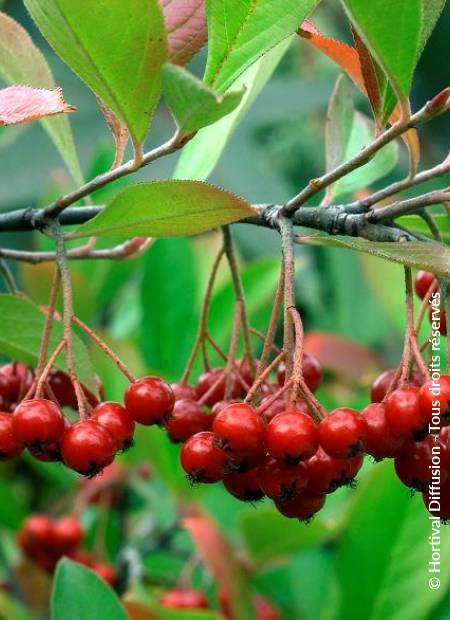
(366, 555)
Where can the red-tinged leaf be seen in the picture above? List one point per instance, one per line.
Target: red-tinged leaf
(341, 356)
(119, 132)
(186, 28)
(220, 557)
(21, 104)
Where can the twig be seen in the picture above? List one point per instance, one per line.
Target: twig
(47, 368)
(8, 277)
(404, 207)
(287, 246)
(253, 391)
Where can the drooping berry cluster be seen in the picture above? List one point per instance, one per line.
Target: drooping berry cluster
(46, 541)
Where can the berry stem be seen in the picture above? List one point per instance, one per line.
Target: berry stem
(48, 324)
(66, 285)
(224, 356)
(276, 396)
(8, 277)
(253, 391)
(239, 294)
(105, 348)
(202, 328)
(230, 365)
(262, 337)
(287, 248)
(424, 306)
(40, 384)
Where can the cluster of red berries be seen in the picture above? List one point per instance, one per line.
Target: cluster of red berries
(423, 283)
(195, 599)
(46, 541)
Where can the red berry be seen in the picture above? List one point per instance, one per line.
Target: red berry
(181, 391)
(437, 501)
(264, 609)
(10, 448)
(312, 372)
(20, 378)
(184, 599)
(244, 486)
(149, 400)
(281, 482)
(380, 443)
(87, 447)
(415, 461)
(302, 507)
(36, 534)
(107, 572)
(343, 433)
(68, 534)
(245, 371)
(278, 406)
(238, 428)
(403, 414)
(434, 399)
(326, 474)
(382, 384)
(201, 459)
(292, 437)
(117, 421)
(38, 422)
(239, 463)
(438, 319)
(186, 419)
(207, 380)
(423, 281)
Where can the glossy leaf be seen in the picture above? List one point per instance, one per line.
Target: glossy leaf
(362, 134)
(417, 224)
(193, 104)
(20, 337)
(22, 104)
(79, 593)
(391, 31)
(200, 156)
(240, 32)
(123, 65)
(186, 28)
(21, 62)
(166, 209)
(431, 10)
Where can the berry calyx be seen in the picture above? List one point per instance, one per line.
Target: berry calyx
(202, 460)
(404, 415)
(380, 443)
(292, 437)
(37, 423)
(186, 419)
(303, 507)
(184, 599)
(238, 428)
(244, 487)
(312, 372)
(149, 400)
(10, 448)
(326, 474)
(422, 283)
(117, 421)
(87, 447)
(343, 433)
(281, 482)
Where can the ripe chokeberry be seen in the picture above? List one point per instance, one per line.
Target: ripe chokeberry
(239, 463)
(68, 534)
(244, 487)
(184, 599)
(107, 572)
(87, 447)
(206, 382)
(149, 400)
(343, 433)
(186, 419)
(302, 507)
(384, 381)
(281, 482)
(380, 443)
(312, 372)
(20, 379)
(117, 421)
(422, 283)
(182, 391)
(326, 474)
(38, 422)
(415, 462)
(202, 460)
(434, 399)
(37, 533)
(10, 448)
(404, 416)
(292, 437)
(238, 428)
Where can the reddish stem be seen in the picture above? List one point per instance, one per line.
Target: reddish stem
(47, 368)
(230, 365)
(253, 391)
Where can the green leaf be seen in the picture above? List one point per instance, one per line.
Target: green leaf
(339, 124)
(200, 156)
(169, 268)
(431, 256)
(417, 224)
(391, 31)
(240, 32)
(118, 49)
(12, 508)
(166, 209)
(79, 593)
(286, 536)
(431, 10)
(21, 62)
(20, 337)
(384, 514)
(384, 161)
(194, 104)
